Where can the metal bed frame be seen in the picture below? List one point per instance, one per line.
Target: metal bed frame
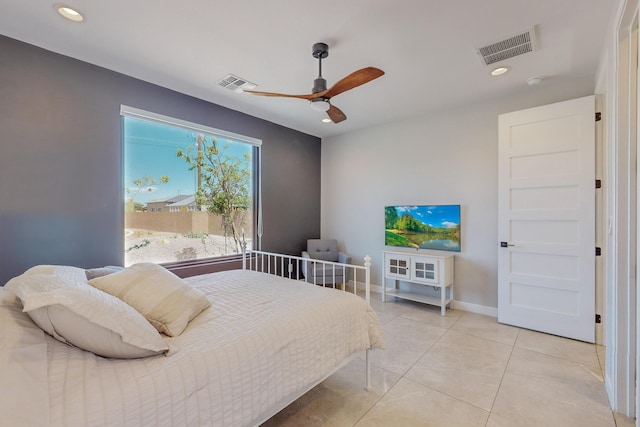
(289, 266)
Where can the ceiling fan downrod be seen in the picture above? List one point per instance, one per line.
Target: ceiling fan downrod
(319, 51)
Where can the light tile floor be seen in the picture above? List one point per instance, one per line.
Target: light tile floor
(461, 370)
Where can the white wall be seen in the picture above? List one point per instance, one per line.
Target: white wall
(450, 157)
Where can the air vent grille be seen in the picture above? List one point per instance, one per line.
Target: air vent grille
(516, 45)
(235, 83)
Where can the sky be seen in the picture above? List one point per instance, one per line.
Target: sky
(150, 149)
(434, 215)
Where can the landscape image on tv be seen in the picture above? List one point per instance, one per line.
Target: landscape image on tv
(423, 227)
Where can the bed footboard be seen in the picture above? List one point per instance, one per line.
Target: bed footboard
(293, 267)
(334, 274)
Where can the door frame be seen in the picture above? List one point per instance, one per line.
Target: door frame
(619, 85)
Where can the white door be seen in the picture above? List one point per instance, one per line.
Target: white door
(546, 219)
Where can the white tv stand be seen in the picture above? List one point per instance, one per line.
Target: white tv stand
(422, 268)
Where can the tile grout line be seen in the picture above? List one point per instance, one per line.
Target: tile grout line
(401, 376)
(564, 359)
(456, 398)
(602, 365)
(502, 377)
(408, 369)
(378, 400)
(519, 332)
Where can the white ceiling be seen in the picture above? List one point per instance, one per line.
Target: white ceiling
(426, 47)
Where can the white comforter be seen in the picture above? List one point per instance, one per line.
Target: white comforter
(262, 342)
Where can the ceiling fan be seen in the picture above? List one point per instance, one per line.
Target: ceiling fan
(320, 96)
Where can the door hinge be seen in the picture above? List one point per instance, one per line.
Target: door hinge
(598, 116)
(598, 183)
(598, 251)
(598, 318)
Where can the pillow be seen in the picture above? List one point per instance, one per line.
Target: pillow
(73, 312)
(57, 270)
(75, 271)
(162, 297)
(92, 273)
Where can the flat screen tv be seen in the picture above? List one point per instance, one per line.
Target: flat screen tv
(423, 227)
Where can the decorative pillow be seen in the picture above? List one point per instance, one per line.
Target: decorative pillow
(73, 312)
(92, 273)
(162, 297)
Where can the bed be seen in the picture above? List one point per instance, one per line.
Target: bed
(263, 342)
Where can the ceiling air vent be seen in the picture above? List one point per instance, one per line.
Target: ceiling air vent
(515, 45)
(235, 83)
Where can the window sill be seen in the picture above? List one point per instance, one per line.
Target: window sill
(203, 266)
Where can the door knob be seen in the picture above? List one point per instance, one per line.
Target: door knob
(505, 244)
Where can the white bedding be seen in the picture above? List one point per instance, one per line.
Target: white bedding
(262, 342)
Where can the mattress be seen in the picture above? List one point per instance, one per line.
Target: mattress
(262, 343)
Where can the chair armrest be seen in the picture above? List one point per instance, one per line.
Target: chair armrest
(344, 258)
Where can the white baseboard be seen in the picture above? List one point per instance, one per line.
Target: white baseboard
(456, 305)
(474, 308)
(377, 289)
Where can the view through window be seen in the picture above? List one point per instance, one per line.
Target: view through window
(188, 192)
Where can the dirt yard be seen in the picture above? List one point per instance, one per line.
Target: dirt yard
(158, 247)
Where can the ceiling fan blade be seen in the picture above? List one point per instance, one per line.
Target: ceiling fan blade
(354, 79)
(284, 95)
(335, 114)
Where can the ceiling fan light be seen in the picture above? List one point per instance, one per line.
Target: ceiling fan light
(320, 104)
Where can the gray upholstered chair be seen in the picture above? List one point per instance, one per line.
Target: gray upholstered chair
(325, 250)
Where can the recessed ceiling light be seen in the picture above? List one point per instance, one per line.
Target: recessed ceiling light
(69, 13)
(326, 120)
(499, 71)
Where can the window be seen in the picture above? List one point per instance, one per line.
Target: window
(190, 191)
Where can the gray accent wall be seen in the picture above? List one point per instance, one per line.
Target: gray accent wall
(61, 190)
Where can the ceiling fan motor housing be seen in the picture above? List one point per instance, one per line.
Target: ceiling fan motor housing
(319, 85)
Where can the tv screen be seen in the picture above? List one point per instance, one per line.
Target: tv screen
(423, 227)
